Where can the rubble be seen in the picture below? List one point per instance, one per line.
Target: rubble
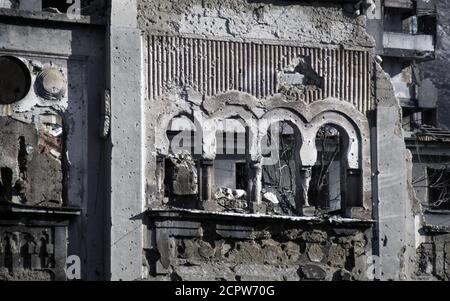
(271, 197)
(184, 178)
(232, 199)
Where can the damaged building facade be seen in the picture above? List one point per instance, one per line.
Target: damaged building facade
(221, 140)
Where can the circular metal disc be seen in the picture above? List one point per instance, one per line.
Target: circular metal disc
(51, 84)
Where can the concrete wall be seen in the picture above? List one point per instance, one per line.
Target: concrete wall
(126, 83)
(394, 202)
(186, 245)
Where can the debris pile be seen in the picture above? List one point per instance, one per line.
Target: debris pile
(183, 172)
(232, 199)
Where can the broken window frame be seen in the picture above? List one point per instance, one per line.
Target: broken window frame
(320, 184)
(438, 188)
(161, 160)
(283, 161)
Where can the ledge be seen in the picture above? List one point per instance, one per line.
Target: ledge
(208, 215)
(50, 17)
(26, 209)
(436, 221)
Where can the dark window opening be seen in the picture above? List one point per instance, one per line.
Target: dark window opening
(87, 7)
(61, 6)
(82, 7)
(279, 175)
(439, 188)
(325, 187)
(241, 176)
(429, 117)
(6, 177)
(231, 173)
(230, 168)
(427, 25)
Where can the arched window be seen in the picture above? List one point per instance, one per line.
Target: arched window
(177, 171)
(231, 170)
(334, 185)
(281, 170)
(325, 187)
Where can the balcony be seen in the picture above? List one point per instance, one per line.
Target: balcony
(408, 45)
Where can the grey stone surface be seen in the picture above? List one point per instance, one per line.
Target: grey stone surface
(313, 272)
(271, 251)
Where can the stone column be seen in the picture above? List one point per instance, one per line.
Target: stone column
(255, 187)
(396, 217)
(160, 177)
(15, 251)
(207, 185)
(303, 181)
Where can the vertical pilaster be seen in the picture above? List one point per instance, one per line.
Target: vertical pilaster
(126, 81)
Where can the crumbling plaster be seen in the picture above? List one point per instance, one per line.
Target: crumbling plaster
(308, 23)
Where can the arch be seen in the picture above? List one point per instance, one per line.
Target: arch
(282, 170)
(283, 115)
(351, 169)
(162, 143)
(240, 113)
(347, 129)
